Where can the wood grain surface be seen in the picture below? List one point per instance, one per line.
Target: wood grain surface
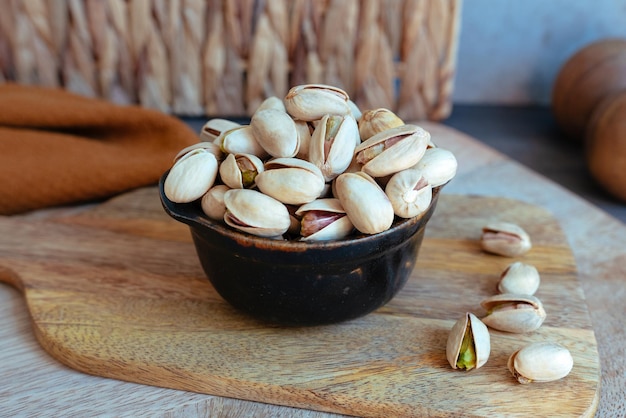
(117, 291)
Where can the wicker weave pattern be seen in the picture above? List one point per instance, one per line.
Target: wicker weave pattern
(223, 57)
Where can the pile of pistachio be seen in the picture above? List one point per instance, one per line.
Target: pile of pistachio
(514, 310)
(311, 166)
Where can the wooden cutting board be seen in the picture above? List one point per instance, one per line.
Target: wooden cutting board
(117, 291)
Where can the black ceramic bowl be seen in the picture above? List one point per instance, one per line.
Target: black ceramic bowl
(303, 283)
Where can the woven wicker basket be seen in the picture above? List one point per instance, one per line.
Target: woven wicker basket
(223, 57)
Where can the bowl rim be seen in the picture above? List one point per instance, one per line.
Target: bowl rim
(192, 215)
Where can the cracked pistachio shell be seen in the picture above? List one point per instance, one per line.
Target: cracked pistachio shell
(520, 278)
(240, 140)
(207, 146)
(505, 238)
(366, 204)
(409, 193)
(469, 344)
(276, 131)
(540, 362)
(215, 127)
(392, 150)
(514, 313)
(332, 144)
(239, 171)
(255, 213)
(212, 202)
(374, 121)
(438, 165)
(310, 102)
(291, 181)
(191, 176)
(324, 219)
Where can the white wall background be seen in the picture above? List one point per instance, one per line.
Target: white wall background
(510, 51)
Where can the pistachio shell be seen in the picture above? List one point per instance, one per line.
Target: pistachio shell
(276, 132)
(324, 219)
(438, 165)
(215, 127)
(240, 140)
(239, 171)
(513, 313)
(366, 204)
(409, 193)
(469, 344)
(505, 238)
(378, 120)
(332, 144)
(520, 278)
(304, 139)
(191, 176)
(207, 146)
(310, 102)
(392, 150)
(253, 212)
(291, 180)
(540, 362)
(212, 202)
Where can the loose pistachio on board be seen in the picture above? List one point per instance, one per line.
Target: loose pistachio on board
(505, 238)
(513, 313)
(540, 362)
(520, 278)
(312, 152)
(469, 344)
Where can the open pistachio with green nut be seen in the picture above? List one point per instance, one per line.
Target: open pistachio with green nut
(469, 344)
(337, 170)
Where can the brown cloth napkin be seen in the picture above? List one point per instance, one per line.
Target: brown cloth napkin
(59, 148)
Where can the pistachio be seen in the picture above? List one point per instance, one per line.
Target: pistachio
(207, 146)
(520, 278)
(505, 238)
(374, 121)
(191, 176)
(540, 362)
(276, 131)
(212, 203)
(438, 165)
(253, 212)
(291, 181)
(303, 130)
(468, 346)
(513, 313)
(392, 150)
(240, 140)
(332, 144)
(310, 102)
(366, 204)
(409, 193)
(215, 127)
(324, 219)
(239, 171)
